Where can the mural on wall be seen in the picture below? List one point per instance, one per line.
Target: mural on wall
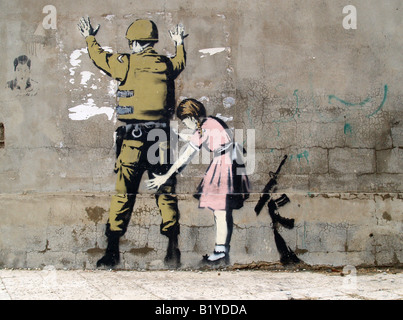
(287, 256)
(225, 185)
(146, 104)
(309, 113)
(146, 95)
(22, 84)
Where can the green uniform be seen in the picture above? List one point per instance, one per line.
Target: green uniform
(147, 89)
(146, 100)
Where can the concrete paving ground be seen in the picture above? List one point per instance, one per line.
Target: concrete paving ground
(52, 284)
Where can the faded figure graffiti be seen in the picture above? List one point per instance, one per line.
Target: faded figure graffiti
(287, 256)
(146, 96)
(22, 84)
(225, 185)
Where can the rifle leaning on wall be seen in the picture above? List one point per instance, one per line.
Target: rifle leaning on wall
(286, 254)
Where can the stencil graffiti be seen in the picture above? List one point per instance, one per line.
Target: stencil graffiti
(146, 103)
(146, 95)
(22, 84)
(287, 256)
(225, 185)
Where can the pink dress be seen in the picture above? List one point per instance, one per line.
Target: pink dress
(218, 180)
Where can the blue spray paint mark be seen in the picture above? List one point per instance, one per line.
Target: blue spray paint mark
(278, 129)
(362, 103)
(348, 129)
(299, 156)
(305, 155)
(295, 94)
(312, 90)
(349, 104)
(346, 103)
(385, 95)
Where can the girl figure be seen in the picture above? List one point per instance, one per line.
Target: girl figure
(217, 191)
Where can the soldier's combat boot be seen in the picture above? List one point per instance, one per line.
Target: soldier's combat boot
(173, 256)
(111, 257)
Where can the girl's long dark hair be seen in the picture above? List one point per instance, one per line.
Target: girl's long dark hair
(192, 108)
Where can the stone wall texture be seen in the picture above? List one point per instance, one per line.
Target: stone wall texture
(329, 98)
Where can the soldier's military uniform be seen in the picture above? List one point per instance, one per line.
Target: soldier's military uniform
(146, 101)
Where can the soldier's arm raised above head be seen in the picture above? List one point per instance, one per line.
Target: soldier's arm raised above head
(85, 27)
(115, 65)
(178, 36)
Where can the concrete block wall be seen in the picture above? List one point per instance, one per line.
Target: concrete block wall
(327, 97)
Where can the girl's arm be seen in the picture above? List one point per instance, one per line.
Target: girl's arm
(182, 161)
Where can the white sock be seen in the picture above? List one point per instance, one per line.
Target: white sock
(220, 217)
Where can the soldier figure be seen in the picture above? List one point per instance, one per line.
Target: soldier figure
(146, 101)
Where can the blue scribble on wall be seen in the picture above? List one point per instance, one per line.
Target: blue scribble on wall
(348, 130)
(362, 103)
(349, 104)
(302, 155)
(385, 96)
(332, 100)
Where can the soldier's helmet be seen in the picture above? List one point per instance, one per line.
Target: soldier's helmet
(142, 30)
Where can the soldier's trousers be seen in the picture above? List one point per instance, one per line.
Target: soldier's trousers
(131, 164)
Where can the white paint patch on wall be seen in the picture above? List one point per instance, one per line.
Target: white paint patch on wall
(224, 118)
(228, 102)
(112, 88)
(74, 59)
(76, 54)
(88, 110)
(85, 76)
(204, 99)
(110, 17)
(211, 51)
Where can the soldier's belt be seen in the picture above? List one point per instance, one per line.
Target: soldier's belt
(136, 130)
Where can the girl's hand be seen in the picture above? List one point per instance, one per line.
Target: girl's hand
(186, 136)
(157, 182)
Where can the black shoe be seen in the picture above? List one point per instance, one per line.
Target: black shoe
(111, 257)
(173, 256)
(108, 260)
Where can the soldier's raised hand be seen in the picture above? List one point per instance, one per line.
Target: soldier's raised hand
(178, 34)
(85, 28)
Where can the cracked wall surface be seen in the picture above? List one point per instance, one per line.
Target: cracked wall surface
(327, 97)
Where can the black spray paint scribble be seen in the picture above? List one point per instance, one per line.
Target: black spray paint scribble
(287, 256)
